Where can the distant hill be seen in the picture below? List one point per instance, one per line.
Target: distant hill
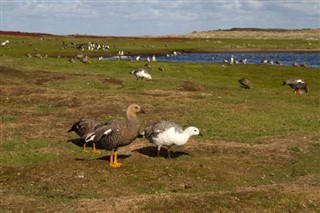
(236, 33)
(255, 33)
(18, 33)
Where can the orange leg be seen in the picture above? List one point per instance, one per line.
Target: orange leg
(95, 151)
(84, 148)
(114, 160)
(111, 158)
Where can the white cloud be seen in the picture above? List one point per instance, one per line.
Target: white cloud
(140, 17)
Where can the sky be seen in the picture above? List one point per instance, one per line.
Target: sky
(154, 17)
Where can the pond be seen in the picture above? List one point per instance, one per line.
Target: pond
(287, 59)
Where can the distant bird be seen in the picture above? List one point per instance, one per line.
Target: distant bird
(84, 126)
(270, 62)
(148, 66)
(299, 85)
(303, 65)
(141, 74)
(161, 68)
(245, 83)
(168, 133)
(4, 42)
(138, 58)
(154, 58)
(29, 55)
(117, 133)
(243, 61)
(72, 60)
(295, 64)
(232, 60)
(85, 59)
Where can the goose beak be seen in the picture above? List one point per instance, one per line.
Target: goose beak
(142, 111)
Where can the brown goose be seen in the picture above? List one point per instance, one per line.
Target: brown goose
(297, 84)
(84, 126)
(117, 133)
(245, 83)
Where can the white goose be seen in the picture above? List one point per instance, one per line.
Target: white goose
(168, 133)
(141, 74)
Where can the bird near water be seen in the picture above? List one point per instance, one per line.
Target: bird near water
(168, 134)
(245, 83)
(117, 133)
(141, 74)
(297, 84)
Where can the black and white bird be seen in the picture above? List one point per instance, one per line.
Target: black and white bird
(299, 85)
(141, 73)
(117, 133)
(245, 83)
(168, 134)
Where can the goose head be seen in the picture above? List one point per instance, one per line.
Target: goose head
(192, 131)
(133, 110)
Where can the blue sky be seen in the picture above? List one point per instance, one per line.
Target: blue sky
(134, 18)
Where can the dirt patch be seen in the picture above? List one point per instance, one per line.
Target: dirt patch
(190, 86)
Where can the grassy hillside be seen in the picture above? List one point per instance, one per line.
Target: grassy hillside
(259, 153)
(215, 41)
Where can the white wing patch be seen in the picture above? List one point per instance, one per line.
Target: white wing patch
(89, 138)
(107, 132)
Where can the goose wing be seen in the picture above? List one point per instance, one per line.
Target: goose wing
(85, 125)
(161, 126)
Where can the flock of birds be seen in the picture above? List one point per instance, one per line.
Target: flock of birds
(118, 133)
(164, 133)
(233, 60)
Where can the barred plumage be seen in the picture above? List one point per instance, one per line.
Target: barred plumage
(245, 83)
(117, 133)
(84, 126)
(297, 84)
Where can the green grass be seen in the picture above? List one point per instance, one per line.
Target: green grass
(52, 46)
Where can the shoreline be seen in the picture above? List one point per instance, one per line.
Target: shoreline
(255, 51)
(181, 51)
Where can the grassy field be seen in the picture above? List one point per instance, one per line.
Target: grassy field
(260, 151)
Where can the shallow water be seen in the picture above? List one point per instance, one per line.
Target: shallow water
(287, 59)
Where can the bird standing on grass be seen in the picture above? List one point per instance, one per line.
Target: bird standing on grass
(84, 126)
(299, 85)
(141, 74)
(117, 133)
(168, 133)
(245, 83)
